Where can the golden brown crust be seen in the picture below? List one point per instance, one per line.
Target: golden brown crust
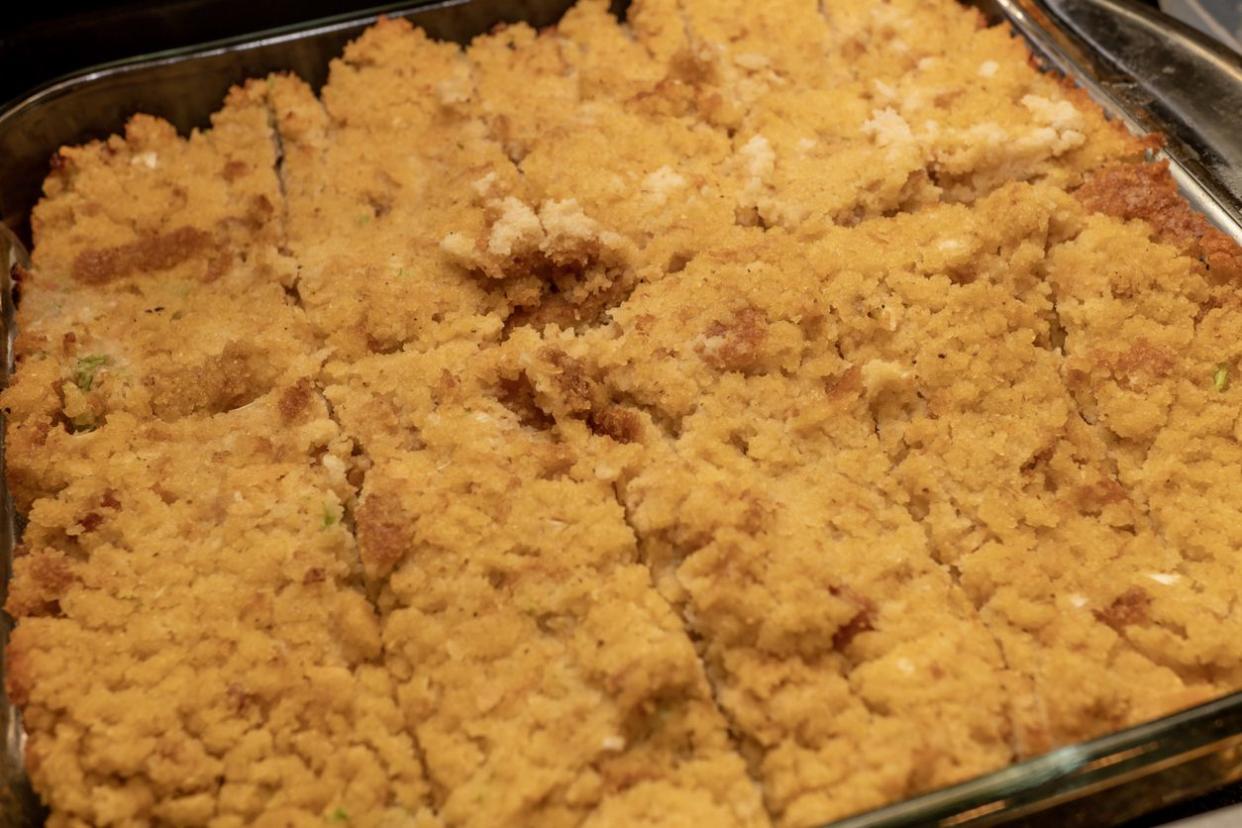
(731, 418)
(45, 574)
(1148, 192)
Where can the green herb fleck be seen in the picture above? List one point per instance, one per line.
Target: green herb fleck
(84, 372)
(365, 218)
(339, 815)
(329, 517)
(402, 273)
(1220, 379)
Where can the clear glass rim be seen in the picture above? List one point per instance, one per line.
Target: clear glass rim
(1072, 771)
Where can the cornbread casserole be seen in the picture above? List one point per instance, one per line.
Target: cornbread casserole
(749, 414)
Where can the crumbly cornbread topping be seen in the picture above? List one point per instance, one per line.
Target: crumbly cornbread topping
(746, 414)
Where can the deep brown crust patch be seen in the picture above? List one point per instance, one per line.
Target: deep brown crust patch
(1148, 192)
(295, 401)
(45, 577)
(159, 251)
(1130, 607)
(1140, 363)
(1093, 497)
(735, 345)
(383, 531)
(848, 385)
(621, 424)
(234, 170)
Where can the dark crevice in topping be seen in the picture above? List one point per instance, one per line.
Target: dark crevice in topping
(282, 243)
(354, 520)
(580, 398)
(555, 272)
(294, 404)
(917, 505)
(559, 304)
(669, 424)
(749, 217)
(518, 395)
(574, 392)
(678, 262)
(382, 346)
(750, 752)
(1058, 336)
(862, 621)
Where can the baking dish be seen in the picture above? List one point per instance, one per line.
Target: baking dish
(1110, 48)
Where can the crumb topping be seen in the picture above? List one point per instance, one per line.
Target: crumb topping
(740, 414)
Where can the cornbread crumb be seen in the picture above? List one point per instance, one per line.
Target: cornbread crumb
(745, 414)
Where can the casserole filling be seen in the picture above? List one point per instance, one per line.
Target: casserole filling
(744, 414)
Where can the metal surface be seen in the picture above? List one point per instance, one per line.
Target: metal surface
(1219, 19)
(1155, 79)
(1224, 818)
(1169, 78)
(1158, 76)
(18, 805)
(1102, 782)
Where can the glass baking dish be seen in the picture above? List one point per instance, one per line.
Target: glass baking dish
(1154, 74)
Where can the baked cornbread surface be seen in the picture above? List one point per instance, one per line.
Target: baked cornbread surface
(745, 414)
